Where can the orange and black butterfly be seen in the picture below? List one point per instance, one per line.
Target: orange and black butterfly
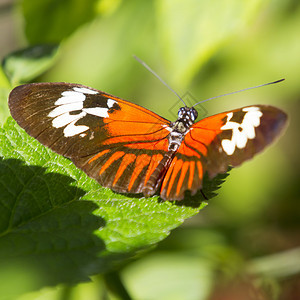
(133, 150)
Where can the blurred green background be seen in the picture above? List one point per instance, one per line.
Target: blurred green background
(247, 241)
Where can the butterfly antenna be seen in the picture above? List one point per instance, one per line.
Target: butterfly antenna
(158, 77)
(249, 88)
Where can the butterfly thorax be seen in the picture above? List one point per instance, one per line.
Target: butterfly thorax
(179, 128)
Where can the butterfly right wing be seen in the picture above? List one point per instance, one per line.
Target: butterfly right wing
(217, 142)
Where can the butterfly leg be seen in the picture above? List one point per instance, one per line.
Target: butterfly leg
(203, 195)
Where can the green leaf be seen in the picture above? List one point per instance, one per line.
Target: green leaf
(26, 64)
(50, 21)
(5, 88)
(4, 112)
(4, 83)
(61, 226)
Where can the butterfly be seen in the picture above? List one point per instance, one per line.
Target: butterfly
(131, 149)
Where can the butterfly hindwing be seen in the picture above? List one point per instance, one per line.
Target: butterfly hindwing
(124, 169)
(217, 142)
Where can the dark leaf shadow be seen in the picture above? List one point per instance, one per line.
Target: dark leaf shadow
(45, 229)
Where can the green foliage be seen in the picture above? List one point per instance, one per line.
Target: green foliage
(62, 225)
(189, 40)
(5, 87)
(51, 21)
(43, 228)
(22, 66)
(4, 112)
(26, 64)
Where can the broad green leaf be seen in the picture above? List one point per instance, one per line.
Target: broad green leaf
(26, 64)
(62, 226)
(192, 31)
(51, 21)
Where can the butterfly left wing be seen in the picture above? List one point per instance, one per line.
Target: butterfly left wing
(114, 141)
(217, 142)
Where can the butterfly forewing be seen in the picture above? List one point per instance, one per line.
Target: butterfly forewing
(75, 120)
(217, 142)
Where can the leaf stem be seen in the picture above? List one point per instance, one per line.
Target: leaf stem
(115, 285)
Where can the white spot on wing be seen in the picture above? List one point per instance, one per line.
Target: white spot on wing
(73, 101)
(70, 97)
(241, 132)
(65, 108)
(66, 119)
(97, 111)
(84, 90)
(70, 101)
(110, 103)
(72, 129)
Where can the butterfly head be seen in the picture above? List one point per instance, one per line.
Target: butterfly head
(186, 118)
(187, 115)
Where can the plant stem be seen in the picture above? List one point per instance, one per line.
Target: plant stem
(115, 285)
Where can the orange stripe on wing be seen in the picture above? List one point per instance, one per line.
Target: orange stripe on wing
(98, 155)
(185, 149)
(152, 145)
(134, 113)
(113, 158)
(191, 175)
(127, 159)
(200, 170)
(138, 136)
(176, 169)
(184, 169)
(169, 172)
(141, 162)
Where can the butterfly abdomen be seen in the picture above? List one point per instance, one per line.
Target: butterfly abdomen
(158, 174)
